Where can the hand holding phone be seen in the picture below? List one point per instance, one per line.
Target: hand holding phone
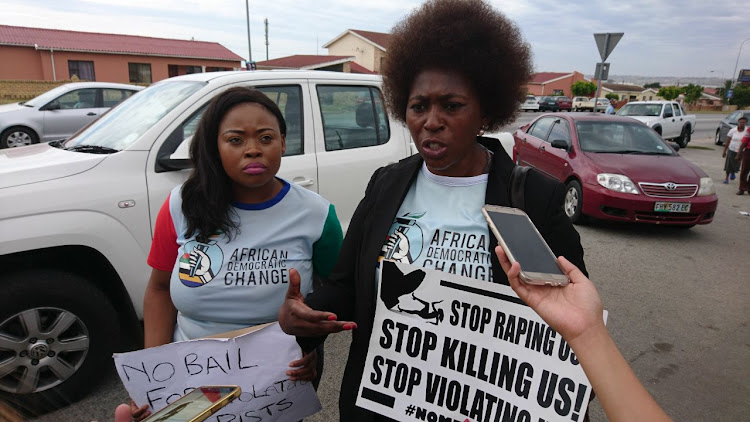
(197, 405)
(523, 243)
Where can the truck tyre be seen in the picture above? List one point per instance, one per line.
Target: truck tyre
(684, 136)
(573, 203)
(18, 136)
(57, 335)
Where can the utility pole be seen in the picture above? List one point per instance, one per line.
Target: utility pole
(266, 22)
(249, 48)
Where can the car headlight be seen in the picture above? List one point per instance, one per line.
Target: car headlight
(707, 187)
(617, 183)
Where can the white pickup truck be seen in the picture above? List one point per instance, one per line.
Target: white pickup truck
(667, 118)
(76, 218)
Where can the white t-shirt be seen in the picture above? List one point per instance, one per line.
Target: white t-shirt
(735, 138)
(440, 226)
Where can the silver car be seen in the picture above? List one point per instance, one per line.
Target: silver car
(728, 123)
(59, 113)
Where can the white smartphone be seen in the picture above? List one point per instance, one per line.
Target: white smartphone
(522, 243)
(197, 405)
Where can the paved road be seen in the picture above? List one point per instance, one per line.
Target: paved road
(678, 302)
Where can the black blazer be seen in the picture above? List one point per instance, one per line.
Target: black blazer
(350, 290)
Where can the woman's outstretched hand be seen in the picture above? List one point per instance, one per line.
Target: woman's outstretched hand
(298, 319)
(571, 310)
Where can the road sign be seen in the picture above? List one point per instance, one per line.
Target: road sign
(602, 71)
(606, 43)
(730, 93)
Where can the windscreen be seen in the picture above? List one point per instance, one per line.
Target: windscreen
(527, 247)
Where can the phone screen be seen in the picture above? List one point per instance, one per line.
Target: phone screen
(527, 247)
(192, 404)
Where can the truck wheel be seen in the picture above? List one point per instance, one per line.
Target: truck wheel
(684, 137)
(717, 139)
(18, 136)
(57, 335)
(573, 204)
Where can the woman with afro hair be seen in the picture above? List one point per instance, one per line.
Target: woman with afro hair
(454, 69)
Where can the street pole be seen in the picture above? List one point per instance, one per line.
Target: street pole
(266, 22)
(734, 74)
(249, 49)
(599, 76)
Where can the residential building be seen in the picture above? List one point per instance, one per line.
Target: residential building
(52, 55)
(553, 83)
(368, 48)
(312, 62)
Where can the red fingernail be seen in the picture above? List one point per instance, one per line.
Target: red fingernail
(332, 317)
(348, 326)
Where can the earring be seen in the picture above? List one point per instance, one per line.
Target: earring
(481, 130)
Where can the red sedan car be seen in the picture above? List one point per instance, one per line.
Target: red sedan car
(616, 168)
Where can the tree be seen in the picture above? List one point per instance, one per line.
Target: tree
(741, 97)
(612, 96)
(692, 93)
(655, 85)
(669, 92)
(583, 89)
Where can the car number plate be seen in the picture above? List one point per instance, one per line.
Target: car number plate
(672, 207)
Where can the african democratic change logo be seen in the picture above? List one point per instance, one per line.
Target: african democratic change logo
(201, 264)
(404, 244)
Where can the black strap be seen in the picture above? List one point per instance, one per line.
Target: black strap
(516, 187)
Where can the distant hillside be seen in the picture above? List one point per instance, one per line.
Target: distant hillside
(663, 80)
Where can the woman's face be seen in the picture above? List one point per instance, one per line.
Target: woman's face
(741, 124)
(250, 147)
(443, 115)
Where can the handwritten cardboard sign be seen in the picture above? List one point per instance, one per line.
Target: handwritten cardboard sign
(449, 348)
(256, 361)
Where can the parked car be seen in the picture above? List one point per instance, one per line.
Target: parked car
(616, 168)
(728, 123)
(667, 118)
(583, 104)
(548, 104)
(601, 105)
(59, 113)
(75, 240)
(530, 104)
(564, 104)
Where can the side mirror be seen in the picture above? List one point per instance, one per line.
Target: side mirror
(559, 143)
(675, 146)
(667, 114)
(54, 105)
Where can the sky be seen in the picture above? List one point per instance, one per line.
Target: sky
(685, 38)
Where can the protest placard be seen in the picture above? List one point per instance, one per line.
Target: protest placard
(449, 348)
(256, 361)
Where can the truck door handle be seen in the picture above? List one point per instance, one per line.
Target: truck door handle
(303, 182)
(542, 148)
(91, 113)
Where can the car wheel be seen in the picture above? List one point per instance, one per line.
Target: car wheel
(717, 139)
(18, 137)
(684, 137)
(573, 204)
(57, 335)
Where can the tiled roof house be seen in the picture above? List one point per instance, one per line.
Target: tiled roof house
(53, 54)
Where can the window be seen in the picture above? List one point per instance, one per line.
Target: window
(289, 100)
(193, 69)
(111, 97)
(80, 98)
(557, 92)
(217, 69)
(560, 131)
(83, 70)
(677, 110)
(353, 117)
(668, 110)
(734, 117)
(541, 128)
(140, 72)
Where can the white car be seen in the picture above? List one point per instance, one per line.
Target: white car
(59, 113)
(531, 104)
